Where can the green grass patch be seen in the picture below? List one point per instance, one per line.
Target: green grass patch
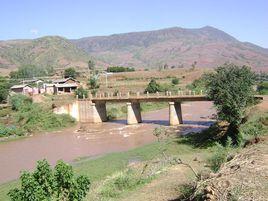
(28, 117)
(262, 88)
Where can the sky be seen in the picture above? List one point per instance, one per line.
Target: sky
(246, 20)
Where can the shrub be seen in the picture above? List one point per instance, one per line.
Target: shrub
(4, 89)
(262, 88)
(18, 100)
(121, 182)
(220, 155)
(153, 87)
(93, 82)
(113, 113)
(6, 131)
(81, 92)
(33, 117)
(231, 89)
(117, 69)
(198, 84)
(175, 81)
(48, 184)
(70, 72)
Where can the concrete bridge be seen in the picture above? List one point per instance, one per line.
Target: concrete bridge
(93, 109)
(98, 112)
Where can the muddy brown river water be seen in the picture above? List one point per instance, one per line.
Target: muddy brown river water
(94, 139)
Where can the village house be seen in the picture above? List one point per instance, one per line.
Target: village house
(67, 85)
(23, 89)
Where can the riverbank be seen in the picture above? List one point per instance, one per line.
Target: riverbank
(99, 168)
(156, 171)
(90, 140)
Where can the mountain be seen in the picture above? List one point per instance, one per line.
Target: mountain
(177, 47)
(207, 47)
(52, 51)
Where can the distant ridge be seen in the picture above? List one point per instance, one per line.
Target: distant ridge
(54, 51)
(175, 46)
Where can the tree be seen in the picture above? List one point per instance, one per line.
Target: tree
(4, 89)
(30, 71)
(81, 92)
(91, 65)
(231, 89)
(175, 81)
(153, 87)
(93, 82)
(117, 69)
(165, 66)
(48, 184)
(17, 101)
(70, 72)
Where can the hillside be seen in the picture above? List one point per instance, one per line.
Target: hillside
(207, 46)
(177, 47)
(52, 51)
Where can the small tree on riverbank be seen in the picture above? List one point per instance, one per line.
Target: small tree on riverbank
(48, 184)
(231, 89)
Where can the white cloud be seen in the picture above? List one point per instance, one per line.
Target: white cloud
(34, 31)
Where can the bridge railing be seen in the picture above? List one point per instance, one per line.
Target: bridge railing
(101, 95)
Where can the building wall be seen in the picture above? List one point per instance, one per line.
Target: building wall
(50, 90)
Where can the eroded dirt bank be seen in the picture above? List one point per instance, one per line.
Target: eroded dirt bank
(93, 139)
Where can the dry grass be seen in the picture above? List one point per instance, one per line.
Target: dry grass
(138, 80)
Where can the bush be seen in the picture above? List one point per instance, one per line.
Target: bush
(153, 87)
(33, 117)
(18, 100)
(121, 182)
(81, 92)
(117, 69)
(4, 89)
(70, 72)
(262, 88)
(219, 157)
(93, 82)
(175, 81)
(116, 111)
(48, 184)
(6, 131)
(198, 85)
(113, 113)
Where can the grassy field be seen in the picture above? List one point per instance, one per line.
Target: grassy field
(138, 80)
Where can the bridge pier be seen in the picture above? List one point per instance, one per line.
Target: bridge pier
(175, 113)
(99, 113)
(133, 113)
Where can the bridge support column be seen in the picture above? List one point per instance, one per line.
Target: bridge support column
(99, 113)
(175, 113)
(133, 113)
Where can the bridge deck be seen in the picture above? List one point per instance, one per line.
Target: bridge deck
(151, 98)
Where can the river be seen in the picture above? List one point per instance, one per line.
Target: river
(88, 140)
